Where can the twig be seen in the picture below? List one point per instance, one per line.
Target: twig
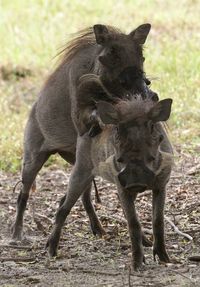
(122, 220)
(16, 247)
(177, 272)
(181, 176)
(194, 170)
(115, 218)
(3, 201)
(195, 258)
(148, 231)
(110, 283)
(177, 230)
(39, 225)
(129, 277)
(98, 272)
(193, 231)
(17, 259)
(44, 217)
(145, 193)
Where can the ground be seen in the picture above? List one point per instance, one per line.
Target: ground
(85, 260)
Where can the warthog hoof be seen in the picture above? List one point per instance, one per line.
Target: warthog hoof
(98, 230)
(161, 253)
(16, 233)
(52, 245)
(138, 261)
(138, 264)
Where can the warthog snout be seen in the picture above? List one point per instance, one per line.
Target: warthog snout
(136, 176)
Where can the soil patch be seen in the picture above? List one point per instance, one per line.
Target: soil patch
(85, 260)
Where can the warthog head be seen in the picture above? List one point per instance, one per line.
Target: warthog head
(121, 60)
(137, 139)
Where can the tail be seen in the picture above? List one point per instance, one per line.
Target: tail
(97, 197)
(18, 182)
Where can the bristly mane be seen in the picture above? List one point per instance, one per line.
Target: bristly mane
(81, 40)
(135, 108)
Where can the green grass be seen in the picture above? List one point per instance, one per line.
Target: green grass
(32, 31)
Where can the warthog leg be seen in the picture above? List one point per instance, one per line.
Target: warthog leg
(158, 225)
(80, 180)
(96, 226)
(29, 173)
(135, 232)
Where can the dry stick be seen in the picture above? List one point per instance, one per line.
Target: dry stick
(44, 217)
(145, 193)
(98, 272)
(177, 272)
(39, 225)
(17, 259)
(111, 283)
(195, 258)
(124, 221)
(177, 230)
(129, 277)
(16, 247)
(3, 201)
(149, 231)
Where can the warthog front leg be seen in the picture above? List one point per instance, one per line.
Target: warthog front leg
(135, 232)
(158, 225)
(80, 180)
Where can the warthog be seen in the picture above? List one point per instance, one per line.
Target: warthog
(117, 60)
(133, 152)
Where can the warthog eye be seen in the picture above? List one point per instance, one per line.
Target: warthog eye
(120, 159)
(161, 137)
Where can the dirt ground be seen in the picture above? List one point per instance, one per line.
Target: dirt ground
(85, 260)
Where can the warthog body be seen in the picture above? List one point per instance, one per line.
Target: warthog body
(133, 152)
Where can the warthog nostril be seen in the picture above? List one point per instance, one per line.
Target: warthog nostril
(120, 159)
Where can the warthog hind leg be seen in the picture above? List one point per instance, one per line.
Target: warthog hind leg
(96, 226)
(29, 172)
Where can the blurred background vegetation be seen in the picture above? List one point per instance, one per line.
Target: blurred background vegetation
(31, 33)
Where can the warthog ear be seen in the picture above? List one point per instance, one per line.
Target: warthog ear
(101, 33)
(140, 33)
(161, 111)
(107, 113)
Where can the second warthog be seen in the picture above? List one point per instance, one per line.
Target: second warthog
(133, 152)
